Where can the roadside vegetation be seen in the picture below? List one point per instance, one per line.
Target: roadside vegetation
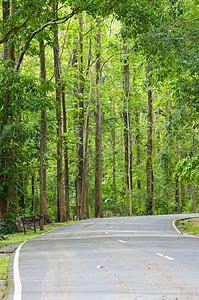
(189, 226)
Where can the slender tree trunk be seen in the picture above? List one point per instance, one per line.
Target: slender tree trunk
(61, 216)
(86, 133)
(193, 186)
(43, 147)
(137, 144)
(65, 142)
(127, 134)
(86, 166)
(7, 159)
(114, 160)
(80, 199)
(34, 204)
(4, 202)
(180, 182)
(149, 167)
(98, 129)
(75, 96)
(66, 167)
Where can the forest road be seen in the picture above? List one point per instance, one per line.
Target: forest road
(108, 259)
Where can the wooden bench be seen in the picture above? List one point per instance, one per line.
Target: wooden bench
(33, 220)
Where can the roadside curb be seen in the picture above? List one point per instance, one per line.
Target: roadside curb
(183, 233)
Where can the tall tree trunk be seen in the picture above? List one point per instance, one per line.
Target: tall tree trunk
(127, 126)
(66, 167)
(193, 186)
(65, 141)
(137, 143)
(86, 133)
(80, 199)
(114, 159)
(8, 195)
(61, 216)
(43, 145)
(98, 129)
(33, 193)
(149, 167)
(180, 182)
(75, 96)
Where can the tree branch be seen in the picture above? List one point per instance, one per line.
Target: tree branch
(5, 38)
(186, 21)
(52, 22)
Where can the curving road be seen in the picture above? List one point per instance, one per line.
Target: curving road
(108, 259)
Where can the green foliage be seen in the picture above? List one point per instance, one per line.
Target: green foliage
(4, 263)
(8, 224)
(188, 169)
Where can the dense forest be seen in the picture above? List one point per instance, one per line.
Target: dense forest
(99, 108)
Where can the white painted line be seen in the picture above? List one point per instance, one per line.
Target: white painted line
(167, 257)
(174, 221)
(17, 280)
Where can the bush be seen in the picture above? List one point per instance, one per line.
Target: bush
(8, 224)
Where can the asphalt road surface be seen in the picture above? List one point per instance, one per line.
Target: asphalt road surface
(108, 259)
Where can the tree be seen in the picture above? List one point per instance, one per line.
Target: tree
(127, 128)
(98, 128)
(149, 166)
(43, 200)
(60, 192)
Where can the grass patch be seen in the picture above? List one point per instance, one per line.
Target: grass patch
(20, 237)
(190, 226)
(4, 264)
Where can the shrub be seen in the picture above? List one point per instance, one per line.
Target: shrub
(8, 224)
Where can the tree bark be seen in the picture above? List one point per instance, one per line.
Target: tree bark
(61, 215)
(137, 143)
(127, 126)
(8, 195)
(98, 129)
(43, 145)
(66, 167)
(114, 159)
(86, 134)
(180, 182)
(149, 167)
(193, 186)
(80, 199)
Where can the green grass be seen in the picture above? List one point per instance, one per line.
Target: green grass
(20, 237)
(191, 226)
(4, 264)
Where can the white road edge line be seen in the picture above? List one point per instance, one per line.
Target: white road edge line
(174, 221)
(17, 280)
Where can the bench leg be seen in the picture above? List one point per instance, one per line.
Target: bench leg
(34, 224)
(24, 226)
